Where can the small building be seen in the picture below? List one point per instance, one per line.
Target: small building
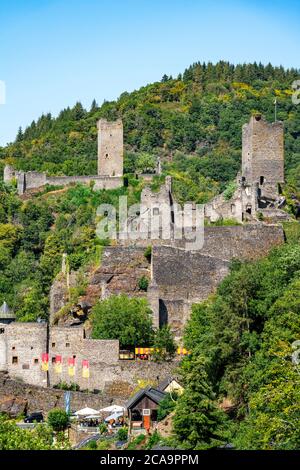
(142, 409)
(170, 385)
(6, 315)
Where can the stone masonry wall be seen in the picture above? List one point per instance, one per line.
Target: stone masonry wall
(71, 343)
(26, 342)
(117, 388)
(110, 148)
(241, 241)
(263, 151)
(181, 278)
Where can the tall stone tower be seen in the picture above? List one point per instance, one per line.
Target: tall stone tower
(110, 148)
(263, 154)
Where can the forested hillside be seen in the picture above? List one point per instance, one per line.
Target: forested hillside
(242, 340)
(193, 122)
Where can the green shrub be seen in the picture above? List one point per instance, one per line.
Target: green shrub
(229, 190)
(103, 428)
(122, 434)
(58, 419)
(166, 406)
(137, 441)
(153, 440)
(164, 344)
(123, 318)
(143, 283)
(148, 253)
(92, 445)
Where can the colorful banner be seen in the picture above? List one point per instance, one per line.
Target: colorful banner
(183, 352)
(45, 362)
(58, 365)
(71, 366)
(85, 369)
(144, 350)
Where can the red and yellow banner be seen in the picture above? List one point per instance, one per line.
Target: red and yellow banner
(58, 365)
(180, 351)
(71, 366)
(85, 369)
(45, 362)
(144, 350)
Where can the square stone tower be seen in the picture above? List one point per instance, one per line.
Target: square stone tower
(263, 154)
(110, 148)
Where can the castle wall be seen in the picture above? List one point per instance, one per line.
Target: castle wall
(250, 241)
(119, 383)
(9, 173)
(100, 182)
(26, 342)
(181, 278)
(3, 351)
(221, 209)
(33, 180)
(71, 343)
(245, 242)
(110, 148)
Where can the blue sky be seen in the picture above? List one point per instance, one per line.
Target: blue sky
(56, 52)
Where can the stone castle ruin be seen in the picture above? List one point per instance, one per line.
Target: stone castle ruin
(177, 277)
(258, 188)
(110, 164)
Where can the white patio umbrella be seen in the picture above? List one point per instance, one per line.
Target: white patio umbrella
(113, 409)
(114, 416)
(87, 412)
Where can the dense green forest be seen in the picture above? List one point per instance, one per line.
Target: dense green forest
(36, 232)
(192, 122)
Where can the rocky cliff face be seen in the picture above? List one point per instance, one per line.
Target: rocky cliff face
(120, 270)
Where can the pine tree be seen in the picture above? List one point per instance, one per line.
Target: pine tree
(19, 137)
(198, 421)
(94, 105)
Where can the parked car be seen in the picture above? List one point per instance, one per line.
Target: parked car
(36, 417)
